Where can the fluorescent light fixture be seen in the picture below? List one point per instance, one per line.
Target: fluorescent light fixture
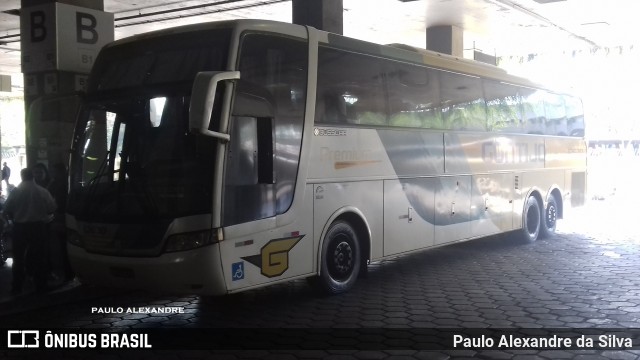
(547, 1)
(598, 23)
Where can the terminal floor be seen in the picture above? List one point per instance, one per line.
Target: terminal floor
(586, 276)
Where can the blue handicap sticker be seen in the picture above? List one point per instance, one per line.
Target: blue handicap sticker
(237, 271)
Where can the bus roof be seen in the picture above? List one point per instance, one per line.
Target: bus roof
(406, 53)
(399, 52)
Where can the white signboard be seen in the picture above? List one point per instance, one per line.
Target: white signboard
(63, 37)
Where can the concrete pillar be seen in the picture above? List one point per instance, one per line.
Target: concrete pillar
(321, 14)
(59, 43)
(446, 39)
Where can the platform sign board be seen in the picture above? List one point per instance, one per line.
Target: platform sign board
(63, 37)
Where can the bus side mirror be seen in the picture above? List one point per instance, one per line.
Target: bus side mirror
(202, 101)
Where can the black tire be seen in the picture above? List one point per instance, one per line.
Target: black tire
(340, 261)
(531, 220)
(549, 219)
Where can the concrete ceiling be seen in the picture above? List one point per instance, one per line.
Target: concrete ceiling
(497, 27)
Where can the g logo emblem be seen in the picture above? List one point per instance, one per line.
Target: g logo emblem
(274, 256)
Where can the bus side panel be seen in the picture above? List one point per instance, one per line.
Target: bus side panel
(569, 154)
(363, 198)
(565, 153)
(543, 181)
(518, 199)
(483, 153)
(342, 154)
(266, 254)
(408, 225)
(492, 205)
(453, 205)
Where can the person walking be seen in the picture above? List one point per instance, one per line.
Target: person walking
(6, 174)
(30, 206)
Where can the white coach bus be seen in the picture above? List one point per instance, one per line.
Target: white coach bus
(216, 158)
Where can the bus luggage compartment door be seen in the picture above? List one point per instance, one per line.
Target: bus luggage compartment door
(408, 214)
(452, 210)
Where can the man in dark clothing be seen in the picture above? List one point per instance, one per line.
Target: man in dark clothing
(30, 206)
(6, 173)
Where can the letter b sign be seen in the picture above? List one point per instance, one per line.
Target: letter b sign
(86, 28)
(63, 37)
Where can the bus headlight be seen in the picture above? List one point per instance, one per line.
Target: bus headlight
(188, 241)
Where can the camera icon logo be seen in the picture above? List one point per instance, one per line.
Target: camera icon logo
(20, 339)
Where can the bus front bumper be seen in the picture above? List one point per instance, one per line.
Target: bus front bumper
(195, 271)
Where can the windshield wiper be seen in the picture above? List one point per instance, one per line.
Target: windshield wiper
(93, 183)
(100, 172)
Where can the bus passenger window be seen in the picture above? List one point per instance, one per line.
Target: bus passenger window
(534, 112)
(334, 108)
(414, 96)
(575, 116)
(463, 106)
(556, 115)
(504, 107)
(350, 88)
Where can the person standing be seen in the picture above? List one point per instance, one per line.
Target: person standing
(6, 174)
(30, 207)
(41, 175)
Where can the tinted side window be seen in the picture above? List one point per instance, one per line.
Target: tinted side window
(575, 116)
(504, 107)
(556, 115)
(350, 88)
(414, 96)
(463, 106)
(534, 112)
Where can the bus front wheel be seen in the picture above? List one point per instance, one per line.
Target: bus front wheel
(531, 220)
(340, 262)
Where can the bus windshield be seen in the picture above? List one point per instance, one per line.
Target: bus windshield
(133, 157)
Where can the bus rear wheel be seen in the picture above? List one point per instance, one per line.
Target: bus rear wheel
(550, 218)
(531, 220)
(340, 261)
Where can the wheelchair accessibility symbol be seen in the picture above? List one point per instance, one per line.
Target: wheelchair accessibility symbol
(237, 271)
